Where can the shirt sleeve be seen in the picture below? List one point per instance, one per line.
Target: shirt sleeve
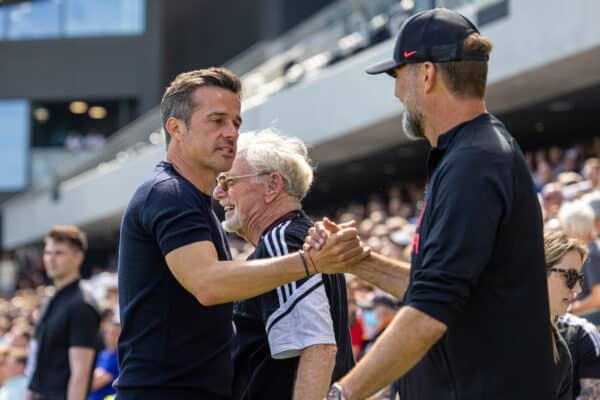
(109, 364)
(174, 216)
(302, 317)
(471, 198)
(588, 352)
(83, 326)
(591, 268)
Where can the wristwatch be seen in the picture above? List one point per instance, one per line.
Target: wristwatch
(336, 392)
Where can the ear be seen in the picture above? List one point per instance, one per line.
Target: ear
(80, 255)
(175, 127)
(429, 76)
(274, 187)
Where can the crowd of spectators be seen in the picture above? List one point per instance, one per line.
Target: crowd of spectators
(567, 181)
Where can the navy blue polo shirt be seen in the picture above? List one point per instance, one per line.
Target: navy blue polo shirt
(478, 266)
(170, 344)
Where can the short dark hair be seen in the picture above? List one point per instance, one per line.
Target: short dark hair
(468, 78)
(69, 234)
(177, 100)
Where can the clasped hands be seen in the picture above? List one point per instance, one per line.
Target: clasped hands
(335, 248)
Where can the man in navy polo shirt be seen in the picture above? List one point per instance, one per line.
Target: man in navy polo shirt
(175, 278)
(476, 321)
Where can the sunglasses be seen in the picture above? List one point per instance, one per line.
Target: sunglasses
(224, 181)
(572, 276)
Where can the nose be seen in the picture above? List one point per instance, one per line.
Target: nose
(577, 289)
(218, 192)
(232, 130)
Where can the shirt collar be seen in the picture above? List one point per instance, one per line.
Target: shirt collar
(69, 287)
(445, 141)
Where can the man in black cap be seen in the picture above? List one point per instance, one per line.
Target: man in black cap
(475, 322)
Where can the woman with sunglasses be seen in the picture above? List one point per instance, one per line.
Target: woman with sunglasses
(564, 258)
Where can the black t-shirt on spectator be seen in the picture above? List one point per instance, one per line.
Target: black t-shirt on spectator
(68, 319)
(583, 340)
(478, 266)
(170, 344)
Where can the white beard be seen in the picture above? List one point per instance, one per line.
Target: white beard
(233, 224)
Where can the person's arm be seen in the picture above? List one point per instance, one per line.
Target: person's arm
(395, 352)
(589, 303)
(80, 364)
(314, 372)
(101, 378)
(590, 389)
(197, 268)
(389, 275)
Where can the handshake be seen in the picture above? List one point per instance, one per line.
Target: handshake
(333, 248)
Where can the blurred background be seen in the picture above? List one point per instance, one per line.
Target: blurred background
(81, 81)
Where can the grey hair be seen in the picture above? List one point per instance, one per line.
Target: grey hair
(268, 151)
(577, 217)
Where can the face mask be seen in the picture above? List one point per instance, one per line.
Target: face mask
(370, 318)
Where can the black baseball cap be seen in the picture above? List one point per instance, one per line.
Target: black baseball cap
(435, 35)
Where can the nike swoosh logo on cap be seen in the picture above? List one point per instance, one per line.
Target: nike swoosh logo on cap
(408, 54)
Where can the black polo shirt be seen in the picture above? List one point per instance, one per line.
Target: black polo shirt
(171, 346)
(68, 319)
(478, 266)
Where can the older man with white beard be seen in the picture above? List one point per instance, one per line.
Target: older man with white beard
(286, 339)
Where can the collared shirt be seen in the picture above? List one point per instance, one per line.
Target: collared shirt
(477, 265)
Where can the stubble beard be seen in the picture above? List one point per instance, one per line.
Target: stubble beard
(412, 123)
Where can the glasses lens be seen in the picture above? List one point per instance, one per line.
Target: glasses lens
(222, 182)
(573, 277)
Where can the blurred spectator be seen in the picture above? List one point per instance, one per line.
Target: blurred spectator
(571, 161)
(357, 333)
(15, 385)
(107, 315)
(395, 202)
(543, 175)
(375, 203)
(552, 200)
(591, 172)
(107, 365)
(592, 199)
(20, 337)
(569, 178)
(555, 156)
(577, 219)
(4, 350)
(384, 308)
(8, 275)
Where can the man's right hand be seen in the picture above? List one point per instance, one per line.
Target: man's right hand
(335, 248)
